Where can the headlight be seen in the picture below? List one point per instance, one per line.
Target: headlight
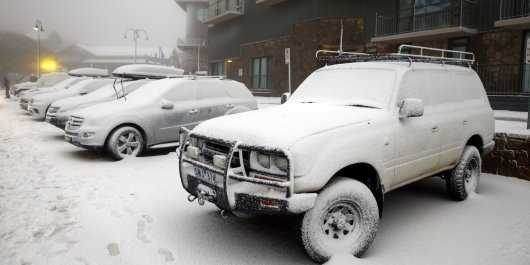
(88, 134)
(269, 163)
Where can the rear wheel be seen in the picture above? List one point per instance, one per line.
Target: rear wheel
(125, 142)
(344, 220)
(463, 180)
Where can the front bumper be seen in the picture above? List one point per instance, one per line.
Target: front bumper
(37, 111)
(58, 121)
(488, 148)
(239, 193)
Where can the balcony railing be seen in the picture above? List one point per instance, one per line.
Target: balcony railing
(514, 9)
(221, 10)
(431, 17)
(505, 79)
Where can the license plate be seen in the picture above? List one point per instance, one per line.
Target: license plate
(208, 176)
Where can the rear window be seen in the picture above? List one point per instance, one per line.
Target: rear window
(211, 89)
(238, 90)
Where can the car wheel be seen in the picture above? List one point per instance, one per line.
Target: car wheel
(125, 142)
(344, 220)
(463, 180)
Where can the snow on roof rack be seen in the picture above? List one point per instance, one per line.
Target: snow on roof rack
(406, 53)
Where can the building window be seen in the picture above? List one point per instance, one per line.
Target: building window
(459, 44)
(217, 68)
(202, 14)
(261, 73)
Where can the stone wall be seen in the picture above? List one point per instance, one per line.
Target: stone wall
(510, 157)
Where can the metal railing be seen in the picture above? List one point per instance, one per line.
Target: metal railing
(463, 13)
(219, 7)
(514, 9)
(505, 79)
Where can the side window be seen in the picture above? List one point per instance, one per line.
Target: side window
(181, 93)
(207, 90)
(468, 85)
(414, 85)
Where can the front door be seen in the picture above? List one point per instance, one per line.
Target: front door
(417, 138)
(183, 114)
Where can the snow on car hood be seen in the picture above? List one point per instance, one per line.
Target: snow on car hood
(107, 109)
(80, 101)
(283, 126)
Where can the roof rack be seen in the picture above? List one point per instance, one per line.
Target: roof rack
(406, 53)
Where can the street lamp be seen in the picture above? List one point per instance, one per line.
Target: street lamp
(136, 35)
(38, 28)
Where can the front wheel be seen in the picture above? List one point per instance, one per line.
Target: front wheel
(463, 180)
(125, 142)
(344, 220)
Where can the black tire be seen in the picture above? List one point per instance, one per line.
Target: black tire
(125, 142)
(344, 219)
(463, 180)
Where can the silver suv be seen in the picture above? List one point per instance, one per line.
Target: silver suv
(154, 113)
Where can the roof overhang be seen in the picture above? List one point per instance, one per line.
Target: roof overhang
(269, 2)
(449, 32)
(229, 14)
(517, 23)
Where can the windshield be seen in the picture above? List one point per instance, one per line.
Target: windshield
(108, 90)
(68, 82)
(360, 87)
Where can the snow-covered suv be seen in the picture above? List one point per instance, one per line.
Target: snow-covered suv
(349, 134)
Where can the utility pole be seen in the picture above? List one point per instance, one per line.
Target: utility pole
(136, 35)
(38, 28)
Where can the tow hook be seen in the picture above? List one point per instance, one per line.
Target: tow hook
(223, 214)
(203, 194)
(191, 198)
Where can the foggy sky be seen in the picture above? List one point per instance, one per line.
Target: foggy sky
(97, 22)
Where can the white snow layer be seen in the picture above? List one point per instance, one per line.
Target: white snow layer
(60, 204)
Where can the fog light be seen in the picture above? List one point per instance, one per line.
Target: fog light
(219, 161)
(88, 134)
(192, 152)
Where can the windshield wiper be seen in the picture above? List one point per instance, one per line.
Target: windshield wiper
(362, 106)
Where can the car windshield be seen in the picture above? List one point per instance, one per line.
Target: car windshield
(68, 82)
(128, 87)
(341, 86)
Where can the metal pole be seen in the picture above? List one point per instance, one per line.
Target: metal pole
(461, 13)
(38, 53)
(289, 66)
(500, 10)
(135, 48)
(199, 58)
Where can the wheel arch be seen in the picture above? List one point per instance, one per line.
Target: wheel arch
(369, 176)
(130, 124)
(476, 141)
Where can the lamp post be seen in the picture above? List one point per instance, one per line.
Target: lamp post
(38, 28)
(136, 35)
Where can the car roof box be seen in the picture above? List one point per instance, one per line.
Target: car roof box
(89, 72)
(140, 71)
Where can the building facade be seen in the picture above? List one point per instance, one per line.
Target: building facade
(194, 56)
(247, 38)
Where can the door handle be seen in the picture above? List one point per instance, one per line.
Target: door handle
(193, 111)
(435, 129)
(465, 122)
(229, 105)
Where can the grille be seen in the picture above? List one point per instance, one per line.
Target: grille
(210, 148)
(53, 110)
(74, 123)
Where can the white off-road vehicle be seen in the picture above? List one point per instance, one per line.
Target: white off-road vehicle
(349, 134)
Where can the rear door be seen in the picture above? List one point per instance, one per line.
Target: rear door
(183, 114)
(213, 101)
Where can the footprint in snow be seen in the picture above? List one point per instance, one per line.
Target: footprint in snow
(166, 254)
(113, 249)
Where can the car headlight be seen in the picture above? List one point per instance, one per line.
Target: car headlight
(269, 163)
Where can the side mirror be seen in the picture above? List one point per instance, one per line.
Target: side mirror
(285, 97)
(166, 104)
(411, 107)
(83, 92)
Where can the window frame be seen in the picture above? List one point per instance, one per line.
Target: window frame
(260, 77)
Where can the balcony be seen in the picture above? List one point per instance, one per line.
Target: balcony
(426, 23)
(190, 43)
(514, 14)
(223, 10)
(269, 2)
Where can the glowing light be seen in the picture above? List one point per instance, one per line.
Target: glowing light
(48, 65)
(229, 61)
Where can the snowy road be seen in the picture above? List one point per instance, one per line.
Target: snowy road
(60, 204)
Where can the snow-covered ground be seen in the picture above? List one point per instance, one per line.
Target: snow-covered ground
(60, 204)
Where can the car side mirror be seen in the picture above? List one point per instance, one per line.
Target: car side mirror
(285, 97)
(411, 107)
(83, 92)
(166, 104)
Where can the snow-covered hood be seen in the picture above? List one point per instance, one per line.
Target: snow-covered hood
(80, 101)
(54, 95)
(283, 126)
(108, 109)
